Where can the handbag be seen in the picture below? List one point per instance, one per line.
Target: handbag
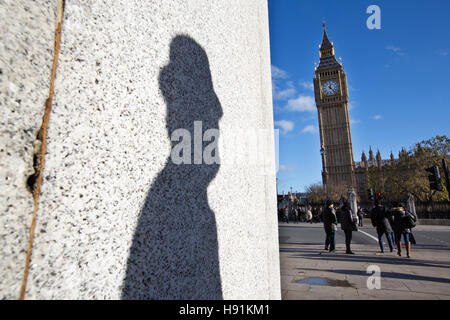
(354, 223)
(409, 220)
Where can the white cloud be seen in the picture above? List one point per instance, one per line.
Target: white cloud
(377, 117)
(443, 53)
(307, 85)
(287, 93)
(285, 126)
(397, 50)
(284, 168)
(309, 129)
(278, 73)
(301, 104)
(351, 88)
(353, 121)
(352, 105)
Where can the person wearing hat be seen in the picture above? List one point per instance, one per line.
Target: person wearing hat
(330, 226)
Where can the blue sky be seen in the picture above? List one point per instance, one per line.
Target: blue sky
(399, 77)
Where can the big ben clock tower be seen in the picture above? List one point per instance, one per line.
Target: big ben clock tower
(331, 94)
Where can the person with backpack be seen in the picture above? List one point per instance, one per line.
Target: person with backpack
(403, 222)
(380, 220)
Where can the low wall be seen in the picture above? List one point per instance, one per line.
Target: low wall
(431, 222)
(435, 222)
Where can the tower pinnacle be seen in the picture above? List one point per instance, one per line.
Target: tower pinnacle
(326, 43)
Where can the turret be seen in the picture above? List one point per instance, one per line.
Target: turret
(371, 157)
(364, 159)
(379, 162)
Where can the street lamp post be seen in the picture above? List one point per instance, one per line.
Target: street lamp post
(324, 176)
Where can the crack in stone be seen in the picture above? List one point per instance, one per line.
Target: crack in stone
(32, 179)
(35, 180)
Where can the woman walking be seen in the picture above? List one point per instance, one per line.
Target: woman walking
(401, 228)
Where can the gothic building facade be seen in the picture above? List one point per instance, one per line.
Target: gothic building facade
(362, 169)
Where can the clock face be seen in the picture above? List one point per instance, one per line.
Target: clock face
(330, 87)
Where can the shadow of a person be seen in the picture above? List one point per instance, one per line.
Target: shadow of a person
(174, 254)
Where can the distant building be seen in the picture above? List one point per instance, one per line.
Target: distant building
(362, 169)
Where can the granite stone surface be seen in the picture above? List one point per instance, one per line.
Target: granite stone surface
(117, 218)
(26, 56)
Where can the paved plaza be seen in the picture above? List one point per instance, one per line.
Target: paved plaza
(310, 273)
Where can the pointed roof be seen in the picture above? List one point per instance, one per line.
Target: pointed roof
(378, 155)
(371, 158)
(363, 157)
(326, 43)
(327, 61)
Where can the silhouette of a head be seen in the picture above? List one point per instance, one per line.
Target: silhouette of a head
(187, 87)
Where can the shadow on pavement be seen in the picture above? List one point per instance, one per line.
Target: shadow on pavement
(374, 260)
(431, 247)
(393, 275)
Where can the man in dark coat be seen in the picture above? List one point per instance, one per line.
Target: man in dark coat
(347, 225)
(380, 220)
(330, 226)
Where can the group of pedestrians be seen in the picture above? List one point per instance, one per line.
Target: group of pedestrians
(331, 218)
(392, 224)
(299, 214)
